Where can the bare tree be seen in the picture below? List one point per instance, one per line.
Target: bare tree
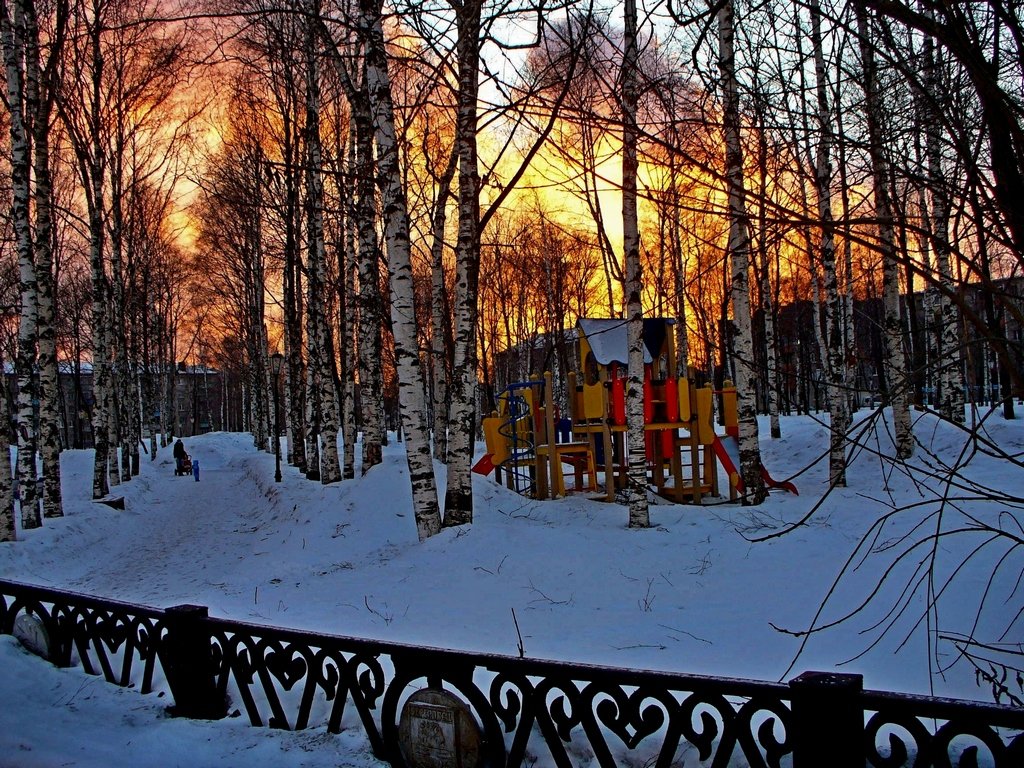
(8, 530)
(739, 250)
(20, 102)
(403, 314)
(320, 335)
(895, 364)
(636, 435)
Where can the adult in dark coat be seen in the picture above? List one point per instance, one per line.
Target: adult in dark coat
(179, 457)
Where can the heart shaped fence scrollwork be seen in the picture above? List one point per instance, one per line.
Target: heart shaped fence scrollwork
(286, 663)
(632, 717)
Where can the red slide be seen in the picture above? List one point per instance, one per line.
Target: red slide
(728, 453)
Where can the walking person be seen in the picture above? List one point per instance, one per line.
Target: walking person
(179, 458)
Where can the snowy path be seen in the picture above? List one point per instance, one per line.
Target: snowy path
(183, 518)
(176, 538)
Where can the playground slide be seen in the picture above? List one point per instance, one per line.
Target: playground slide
(485, 466)
(728, 452)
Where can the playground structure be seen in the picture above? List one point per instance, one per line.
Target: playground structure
(534, 450)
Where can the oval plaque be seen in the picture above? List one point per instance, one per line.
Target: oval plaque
(437, 730)
(31, 633)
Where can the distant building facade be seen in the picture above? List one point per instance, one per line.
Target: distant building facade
(200, 402)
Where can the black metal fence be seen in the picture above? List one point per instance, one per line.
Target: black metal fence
(528, 712)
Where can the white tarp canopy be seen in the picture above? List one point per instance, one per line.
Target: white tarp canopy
(608, 342)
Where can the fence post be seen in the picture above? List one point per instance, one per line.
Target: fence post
(187, 659)
(828, 720)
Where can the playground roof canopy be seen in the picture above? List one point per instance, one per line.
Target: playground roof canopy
(608, 342)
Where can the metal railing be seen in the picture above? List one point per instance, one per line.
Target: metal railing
(527, 711)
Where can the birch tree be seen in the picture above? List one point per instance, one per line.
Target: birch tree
(440, 330)
(368, 259)
(951, 380)
(13, 35)
(458, 503)
(8, 530)
(636, 435)
(471, 28)
(835, 336)
(321, 345)
(44, 76)
(739, 253)
(403, 314)
(895, 360)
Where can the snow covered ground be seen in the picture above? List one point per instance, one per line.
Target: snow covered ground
(694, 593)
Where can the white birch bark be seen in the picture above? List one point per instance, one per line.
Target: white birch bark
(458, 505)
(8, 529)
(951, 379)
(838, 402)
(765, 290)
(895, 359)
(100, 367)
(439, 327)
(739, 252)
(636, 489)
(120, 428)
(42, 94)
(403, 314)
(370, 311)
(13, 37)
(93, 174)
(767, 304)
(324, 391)
(348, 324)
(294, 375)
(846, 294)
(680, 329)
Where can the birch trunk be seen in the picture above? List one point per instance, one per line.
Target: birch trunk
(370, 310)
(13, 40)
(440, 310)
(93, 175)
(118, 352)
(49, 393)
(895, 361)
(739, 251)
(846, 295)
(838, 402)
(320, 330)
(295, 374)
(951, 379)
(347, 325)
(8, 529)
(682, 340)
(403, 314)
(765, 287)
(100, 415)
(458, 506)
(636, 489)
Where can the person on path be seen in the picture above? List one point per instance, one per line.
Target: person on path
(179, 457)
(195, 469)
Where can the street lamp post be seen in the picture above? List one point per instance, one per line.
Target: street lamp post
(276, 360)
